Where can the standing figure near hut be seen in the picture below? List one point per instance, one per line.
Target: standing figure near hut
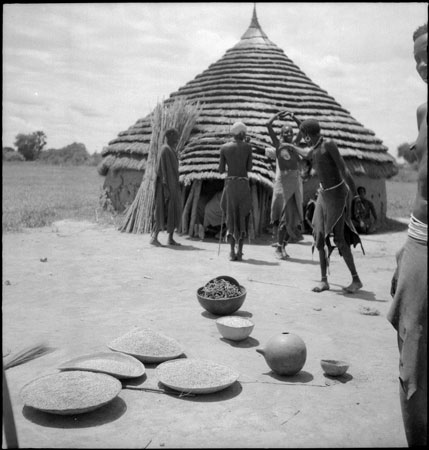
(286, 205)
(236, 201)
(167, 204)
(332, 212)
(364, 216)
(409, 289)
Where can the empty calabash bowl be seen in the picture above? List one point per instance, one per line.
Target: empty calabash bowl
(333, 367)
(222, 306)
(234, 328)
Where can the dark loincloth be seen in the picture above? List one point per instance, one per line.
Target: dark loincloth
(331, 205)
(236, 204)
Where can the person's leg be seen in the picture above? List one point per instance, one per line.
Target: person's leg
(414, 410)
(280, 240)
(171, 241)
(231, 241)
(154, 236)
(346, 253)
(323, 285)
(283, 240)
(240, 249)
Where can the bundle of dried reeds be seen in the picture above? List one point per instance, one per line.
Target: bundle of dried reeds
(179, 114)
(25, 355)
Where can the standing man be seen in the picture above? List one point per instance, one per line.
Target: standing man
(408, 312)
(236, 201)
(332, 211)
(168, 206)
(286, 205)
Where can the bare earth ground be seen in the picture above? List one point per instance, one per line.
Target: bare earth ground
(98, 283)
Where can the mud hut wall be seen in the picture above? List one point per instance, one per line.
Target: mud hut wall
(375, 192)
(121, 187)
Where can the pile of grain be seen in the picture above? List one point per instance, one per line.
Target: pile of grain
(220, 288)
(147, 345)
(70, 392)
(196, 375)
(118, 365)
(235, 321)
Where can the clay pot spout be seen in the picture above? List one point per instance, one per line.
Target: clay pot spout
(261, 351)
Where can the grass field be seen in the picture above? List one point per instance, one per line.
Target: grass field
(36, 195)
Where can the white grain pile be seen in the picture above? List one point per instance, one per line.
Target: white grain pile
(235, 321)
(67, 392)
(193, 374)
(116, 364)
(147, 345)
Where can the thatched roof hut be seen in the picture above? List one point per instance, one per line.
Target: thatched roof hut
(253, 80)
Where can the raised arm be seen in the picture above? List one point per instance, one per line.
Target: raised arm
(271, 132)
(222, 161)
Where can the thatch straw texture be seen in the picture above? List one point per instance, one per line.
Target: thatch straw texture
(252, 81)
(179, 114)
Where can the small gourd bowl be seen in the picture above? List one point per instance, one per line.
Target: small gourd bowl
(333, 367)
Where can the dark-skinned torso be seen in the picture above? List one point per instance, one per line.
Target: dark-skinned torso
(324, 164)
(420, 208)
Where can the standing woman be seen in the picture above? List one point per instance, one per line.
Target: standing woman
(408, 313)
(286, 205)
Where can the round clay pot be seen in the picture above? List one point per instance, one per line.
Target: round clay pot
(285, 353)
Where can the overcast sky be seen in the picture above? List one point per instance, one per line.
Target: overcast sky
(85, 72)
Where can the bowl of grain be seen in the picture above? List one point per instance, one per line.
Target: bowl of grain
(333, 367)
(222, 295)
(234, 328)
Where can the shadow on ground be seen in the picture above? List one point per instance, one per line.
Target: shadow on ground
(245, 343)
(209, 315)
(105, 414)
(300, 377)
(219, 396)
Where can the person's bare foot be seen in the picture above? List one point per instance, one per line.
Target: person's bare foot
(285, 254)
(353, 287)
(173, 242)
(321, 286)
(155, 242)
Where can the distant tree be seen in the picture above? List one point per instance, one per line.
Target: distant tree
(405, 152)
(30, 145)
(9, 154)
(74, 154)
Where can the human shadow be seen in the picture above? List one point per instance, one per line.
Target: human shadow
(219, 396)
(301, 377)
(105, 414)
(245, 343)
(303, 261)
(209, 315)
(259, 262)
(341, 379)
(362, 295)
(182, 247)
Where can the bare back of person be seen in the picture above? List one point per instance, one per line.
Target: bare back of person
(236, 155)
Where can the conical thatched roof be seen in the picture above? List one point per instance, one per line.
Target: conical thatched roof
(252, 81)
